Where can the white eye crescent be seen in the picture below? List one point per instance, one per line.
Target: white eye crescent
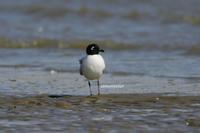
(92, 48)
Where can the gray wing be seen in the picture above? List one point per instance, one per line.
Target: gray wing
(81, 69)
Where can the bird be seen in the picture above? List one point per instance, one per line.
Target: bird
(92, 65)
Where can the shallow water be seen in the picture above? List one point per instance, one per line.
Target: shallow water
(36, 71)
(151, 82)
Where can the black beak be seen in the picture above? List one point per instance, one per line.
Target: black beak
(101, 50)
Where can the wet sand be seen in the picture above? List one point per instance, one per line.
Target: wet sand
(105, 113)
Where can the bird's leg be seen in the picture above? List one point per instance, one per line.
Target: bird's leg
(98, 87)
(90, 88)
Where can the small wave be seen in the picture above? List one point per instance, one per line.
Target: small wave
(106, 44)
(171, 17)
(194, 20)
(55, 11)
(135, 15)
(194, 50)
(19, 66)
(121, 73)
(50, 43)
(43, 11)
(37, 9)
(93, 12)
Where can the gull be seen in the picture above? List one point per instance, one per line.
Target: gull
(92, 65)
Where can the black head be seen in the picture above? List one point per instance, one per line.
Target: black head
(93, 49)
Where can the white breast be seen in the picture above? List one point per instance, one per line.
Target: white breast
(92, 66)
